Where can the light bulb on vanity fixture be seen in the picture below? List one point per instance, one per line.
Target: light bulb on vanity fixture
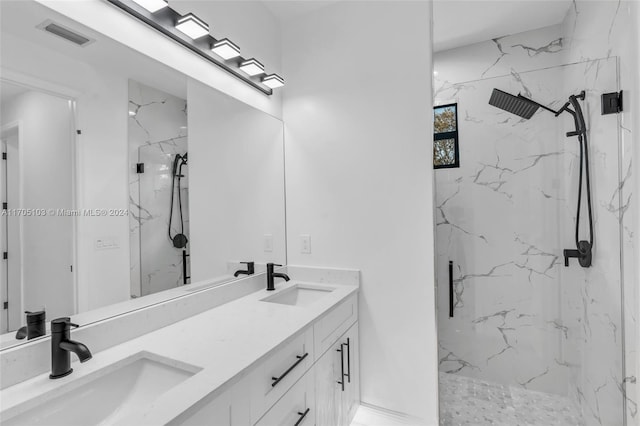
(225, 49)
(192, 26)
(273, 81)
(252, 67)
(193, 34)
(152, 5)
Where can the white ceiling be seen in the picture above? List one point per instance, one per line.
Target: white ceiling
(285, 10)
(459, 22)
(463, 22)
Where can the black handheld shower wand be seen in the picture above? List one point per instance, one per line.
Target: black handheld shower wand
(180, 239)
(525, 108)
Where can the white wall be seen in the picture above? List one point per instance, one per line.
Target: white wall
(357, 110)
(46, 162)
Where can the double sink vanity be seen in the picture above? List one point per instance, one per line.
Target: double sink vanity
(283, 357)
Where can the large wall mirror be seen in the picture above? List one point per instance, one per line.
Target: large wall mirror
(125, 182)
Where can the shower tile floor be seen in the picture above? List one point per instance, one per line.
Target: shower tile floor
(465, 401)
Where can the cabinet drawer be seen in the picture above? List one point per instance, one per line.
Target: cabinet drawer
(334, 324)
(277, 373)
(297, 406)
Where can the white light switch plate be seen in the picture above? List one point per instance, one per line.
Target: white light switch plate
(268, 243)
(305, 244)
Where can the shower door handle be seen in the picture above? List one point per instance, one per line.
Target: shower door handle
(450, 289)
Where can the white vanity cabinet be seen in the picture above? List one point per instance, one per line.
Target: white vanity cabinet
(337, 377)
(273, 377)
(313, 378)
(296, 408)
(231, 408)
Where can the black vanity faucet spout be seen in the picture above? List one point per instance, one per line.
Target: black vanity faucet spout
(271, 275)
(62, 346)
(250, 269)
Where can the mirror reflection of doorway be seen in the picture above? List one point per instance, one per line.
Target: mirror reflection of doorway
(36, 181)
(11, 266)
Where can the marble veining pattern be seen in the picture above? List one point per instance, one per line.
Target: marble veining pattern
(157, 132)
(602, 29)
(521, 318)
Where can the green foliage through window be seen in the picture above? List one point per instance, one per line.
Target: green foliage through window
(445, 137)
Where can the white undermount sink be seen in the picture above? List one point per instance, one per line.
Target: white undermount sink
(298, 295)
(106, 396)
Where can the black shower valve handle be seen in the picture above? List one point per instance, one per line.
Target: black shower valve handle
(583, 253)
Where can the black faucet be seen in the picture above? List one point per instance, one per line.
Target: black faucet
(583, 254)
(62, 346)
(36, 326)
(250, 269)
(271, 275)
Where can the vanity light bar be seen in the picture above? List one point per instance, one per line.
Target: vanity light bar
(192, 26)
(192, 33)
(252, 67)
(152, 5)
(273, 80)
(225, 49)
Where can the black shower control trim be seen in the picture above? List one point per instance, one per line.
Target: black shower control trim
(583, 254)
(525, 108)
(611, 103)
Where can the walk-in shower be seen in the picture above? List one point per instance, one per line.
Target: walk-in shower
(525, 108)
(159, 190)
(522, 338)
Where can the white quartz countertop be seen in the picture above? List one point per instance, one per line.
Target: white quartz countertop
(224, 342)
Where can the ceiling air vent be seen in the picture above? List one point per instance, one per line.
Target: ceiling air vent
(65, 33)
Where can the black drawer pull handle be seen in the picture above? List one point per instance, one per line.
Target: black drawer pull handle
(341, 381)
(348, 345)
(302, 416)
(277, 380)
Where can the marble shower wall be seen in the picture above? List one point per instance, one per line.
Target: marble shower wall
(606, 29)
(157, 132)
(505, 215)
(493, 216)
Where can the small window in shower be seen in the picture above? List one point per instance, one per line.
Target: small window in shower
(445, 137)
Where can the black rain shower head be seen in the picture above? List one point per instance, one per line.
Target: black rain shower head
(518, 105)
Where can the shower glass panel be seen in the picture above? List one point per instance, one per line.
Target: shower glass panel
(530, 341)
(161, 264)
